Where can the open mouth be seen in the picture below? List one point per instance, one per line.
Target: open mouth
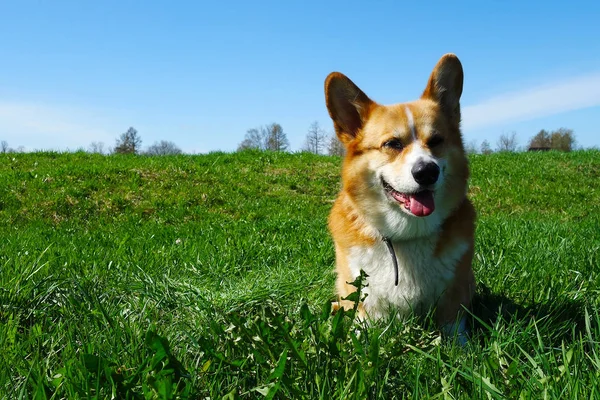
(420, 204)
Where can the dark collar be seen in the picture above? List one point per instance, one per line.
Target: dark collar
(388, 243)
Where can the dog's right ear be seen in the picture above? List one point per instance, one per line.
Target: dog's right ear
(348, 106)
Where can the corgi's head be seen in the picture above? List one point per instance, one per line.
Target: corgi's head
(405, 167)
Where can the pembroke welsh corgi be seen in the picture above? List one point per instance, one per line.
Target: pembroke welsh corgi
(403, 215)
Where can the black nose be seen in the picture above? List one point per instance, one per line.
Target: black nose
(425, 173)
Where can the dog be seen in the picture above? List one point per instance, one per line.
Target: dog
(402, 215)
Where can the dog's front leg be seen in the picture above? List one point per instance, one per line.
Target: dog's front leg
(451, 314)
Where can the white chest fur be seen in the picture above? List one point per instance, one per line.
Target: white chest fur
(422, 276)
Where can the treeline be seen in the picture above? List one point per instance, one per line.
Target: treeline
(272, 137)
(129, 142)
(562, 139)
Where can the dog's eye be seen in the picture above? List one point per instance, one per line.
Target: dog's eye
(435, 140)
(395, 144)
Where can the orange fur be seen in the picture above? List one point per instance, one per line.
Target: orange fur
(435, 248)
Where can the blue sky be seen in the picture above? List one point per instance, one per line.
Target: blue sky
(201, 73)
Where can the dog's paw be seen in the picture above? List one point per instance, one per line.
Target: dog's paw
(335, 306)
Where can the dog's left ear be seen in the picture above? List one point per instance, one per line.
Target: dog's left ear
(445, 86)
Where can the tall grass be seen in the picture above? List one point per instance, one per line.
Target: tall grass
(211, 277)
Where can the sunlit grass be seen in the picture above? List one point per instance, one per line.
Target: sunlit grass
(210, 276)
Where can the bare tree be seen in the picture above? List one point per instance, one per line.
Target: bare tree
(129, 142)
(4, 146)
(268, 137)
(277, 139)
(163, 148)
(335, 147)
(315, 139)
(256, 138)
(471, 147)
(246, 144)
(507, 142)
(97, 147)
(486, 148)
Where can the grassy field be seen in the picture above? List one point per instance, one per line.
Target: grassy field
(210, 277)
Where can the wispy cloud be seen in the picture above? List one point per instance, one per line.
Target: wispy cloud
(40, 126)
(530, 103)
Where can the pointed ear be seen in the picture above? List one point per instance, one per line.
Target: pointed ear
(445, 86)
(348, 106)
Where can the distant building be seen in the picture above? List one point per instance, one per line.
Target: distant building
(539, 148)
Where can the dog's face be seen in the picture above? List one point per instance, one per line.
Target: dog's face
(405, 165)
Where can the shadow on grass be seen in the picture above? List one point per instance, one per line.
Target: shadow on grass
(558, 320)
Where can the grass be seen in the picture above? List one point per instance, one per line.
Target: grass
(210, 277)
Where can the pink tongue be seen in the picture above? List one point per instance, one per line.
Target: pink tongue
(422, 204)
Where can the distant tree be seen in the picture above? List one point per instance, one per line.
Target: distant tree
(486, 148)
(562, 139)
(268, 137)
(277, 139)
(163, 148)
(4, 146)
(471, 147)
(540, 140)
(315, 139)
(129, 142)
(96, 147)
(245, 145)
(256, 138)
(507, 142)
(335, 147)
